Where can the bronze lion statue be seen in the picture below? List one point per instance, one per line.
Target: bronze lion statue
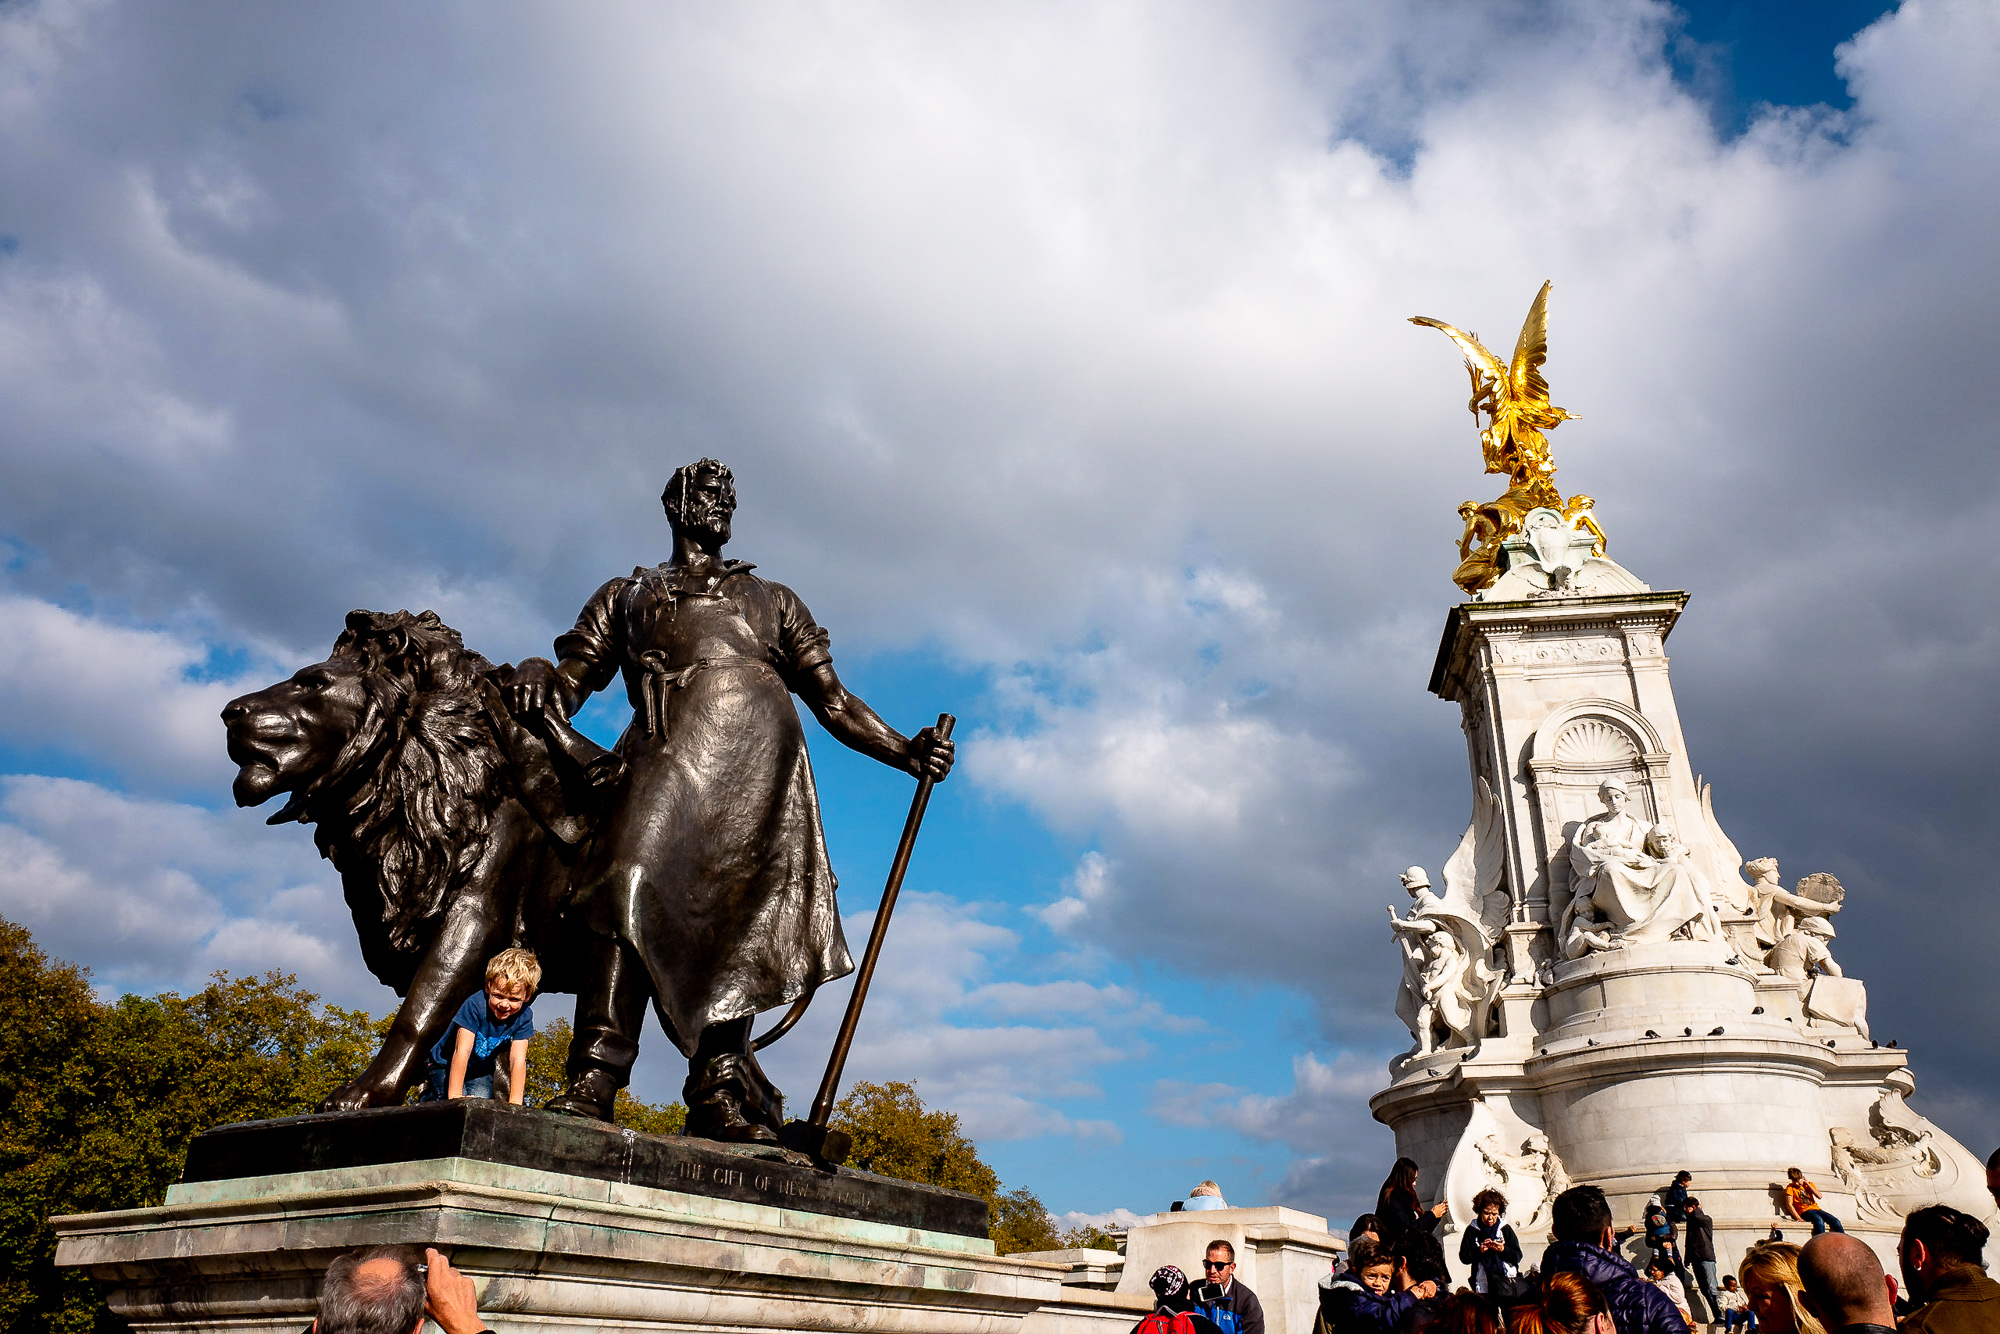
(450, 827)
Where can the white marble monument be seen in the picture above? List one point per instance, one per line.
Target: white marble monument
(1599, 995)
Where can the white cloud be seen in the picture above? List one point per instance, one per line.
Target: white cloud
(155, 894)
(1074, 1219)
(1002, 1054)
(1068, 339)
(124, 697)
(1324, 1119)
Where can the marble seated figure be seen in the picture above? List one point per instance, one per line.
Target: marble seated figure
(1829, 997)
(1632, 881)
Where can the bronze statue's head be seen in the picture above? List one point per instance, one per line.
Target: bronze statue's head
(700, 497)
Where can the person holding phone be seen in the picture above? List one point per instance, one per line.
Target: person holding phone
(1221, 1298)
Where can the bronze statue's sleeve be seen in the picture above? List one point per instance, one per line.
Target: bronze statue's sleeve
(802, 642)
(594, 639)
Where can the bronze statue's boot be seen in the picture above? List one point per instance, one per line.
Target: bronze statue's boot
(609, 1012)
(718, 1093)
(600, 1063)
(592, 1094)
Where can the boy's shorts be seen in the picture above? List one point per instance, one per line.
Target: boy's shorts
(480, 1086)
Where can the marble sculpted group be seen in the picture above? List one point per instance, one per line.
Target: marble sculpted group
(1600, 994)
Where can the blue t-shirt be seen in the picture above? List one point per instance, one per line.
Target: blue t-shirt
(487, 1036)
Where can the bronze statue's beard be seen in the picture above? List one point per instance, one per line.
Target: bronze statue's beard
(707, 520)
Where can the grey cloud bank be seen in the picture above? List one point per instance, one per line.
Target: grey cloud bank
(1064, 342)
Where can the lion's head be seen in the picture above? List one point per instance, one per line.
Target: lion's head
(382, 747)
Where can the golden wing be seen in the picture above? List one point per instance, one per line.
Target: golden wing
(1530, 351)
(1474, 351)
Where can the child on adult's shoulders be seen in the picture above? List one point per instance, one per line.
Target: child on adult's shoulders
(1363, 1303)
(463, 1061)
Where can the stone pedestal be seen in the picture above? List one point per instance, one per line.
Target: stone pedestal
(615, 1231)
(1281, 1255)
(1623, 1065)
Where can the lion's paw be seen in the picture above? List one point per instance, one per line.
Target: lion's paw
(359, 1096)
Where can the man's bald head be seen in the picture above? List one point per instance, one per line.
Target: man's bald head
(1844, 1282)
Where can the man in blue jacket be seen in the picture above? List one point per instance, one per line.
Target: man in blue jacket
(1581, 1220)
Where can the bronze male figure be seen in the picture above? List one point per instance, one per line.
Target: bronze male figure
(705, 887)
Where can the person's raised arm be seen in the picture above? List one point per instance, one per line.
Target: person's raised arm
(450, 1297)
(461, 1053)
(858, 727)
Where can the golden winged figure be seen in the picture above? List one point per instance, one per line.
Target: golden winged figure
(1515, 399)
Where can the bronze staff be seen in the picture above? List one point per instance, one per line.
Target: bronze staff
(813, 1136)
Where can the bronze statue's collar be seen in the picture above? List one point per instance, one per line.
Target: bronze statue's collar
(665, 573)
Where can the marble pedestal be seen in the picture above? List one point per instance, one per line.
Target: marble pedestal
(1281, 1255)
(1630, 1062)
(740, 1244)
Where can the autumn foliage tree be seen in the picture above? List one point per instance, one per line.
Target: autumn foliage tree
(895, 1135)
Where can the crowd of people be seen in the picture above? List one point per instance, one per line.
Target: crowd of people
(1394, 1279)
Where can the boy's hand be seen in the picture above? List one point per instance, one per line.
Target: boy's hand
(449, 1297)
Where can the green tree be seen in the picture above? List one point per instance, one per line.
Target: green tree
(98, 1101)
(52, 1016)
(1088, 1238)
(1020, 1222)
(895, 1135)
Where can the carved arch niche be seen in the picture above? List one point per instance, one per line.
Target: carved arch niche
(1576, 748)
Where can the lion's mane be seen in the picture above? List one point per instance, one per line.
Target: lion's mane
(406, 816)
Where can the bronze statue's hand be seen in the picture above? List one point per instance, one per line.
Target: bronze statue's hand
(532, 688)
(931, 755)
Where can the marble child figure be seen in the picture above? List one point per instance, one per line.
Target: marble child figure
(464, 1062)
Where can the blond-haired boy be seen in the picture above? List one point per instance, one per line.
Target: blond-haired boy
(462, 1061)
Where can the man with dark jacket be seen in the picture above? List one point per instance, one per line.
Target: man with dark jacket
(1581, 1220)
(1219, 1268)
(1701, 1255)
(1675, 1198)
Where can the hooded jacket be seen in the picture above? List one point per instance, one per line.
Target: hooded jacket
(1350, 1308)
(1637, 1307)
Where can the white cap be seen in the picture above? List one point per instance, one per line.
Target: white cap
(1414, 878)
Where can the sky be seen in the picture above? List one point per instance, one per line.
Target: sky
(1059, 352)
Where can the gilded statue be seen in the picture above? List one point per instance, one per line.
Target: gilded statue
(1514, 398)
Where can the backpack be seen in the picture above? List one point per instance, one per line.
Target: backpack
(1165, 1322)
(1224, 1317)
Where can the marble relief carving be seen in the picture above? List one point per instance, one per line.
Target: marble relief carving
(1530, 1179)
